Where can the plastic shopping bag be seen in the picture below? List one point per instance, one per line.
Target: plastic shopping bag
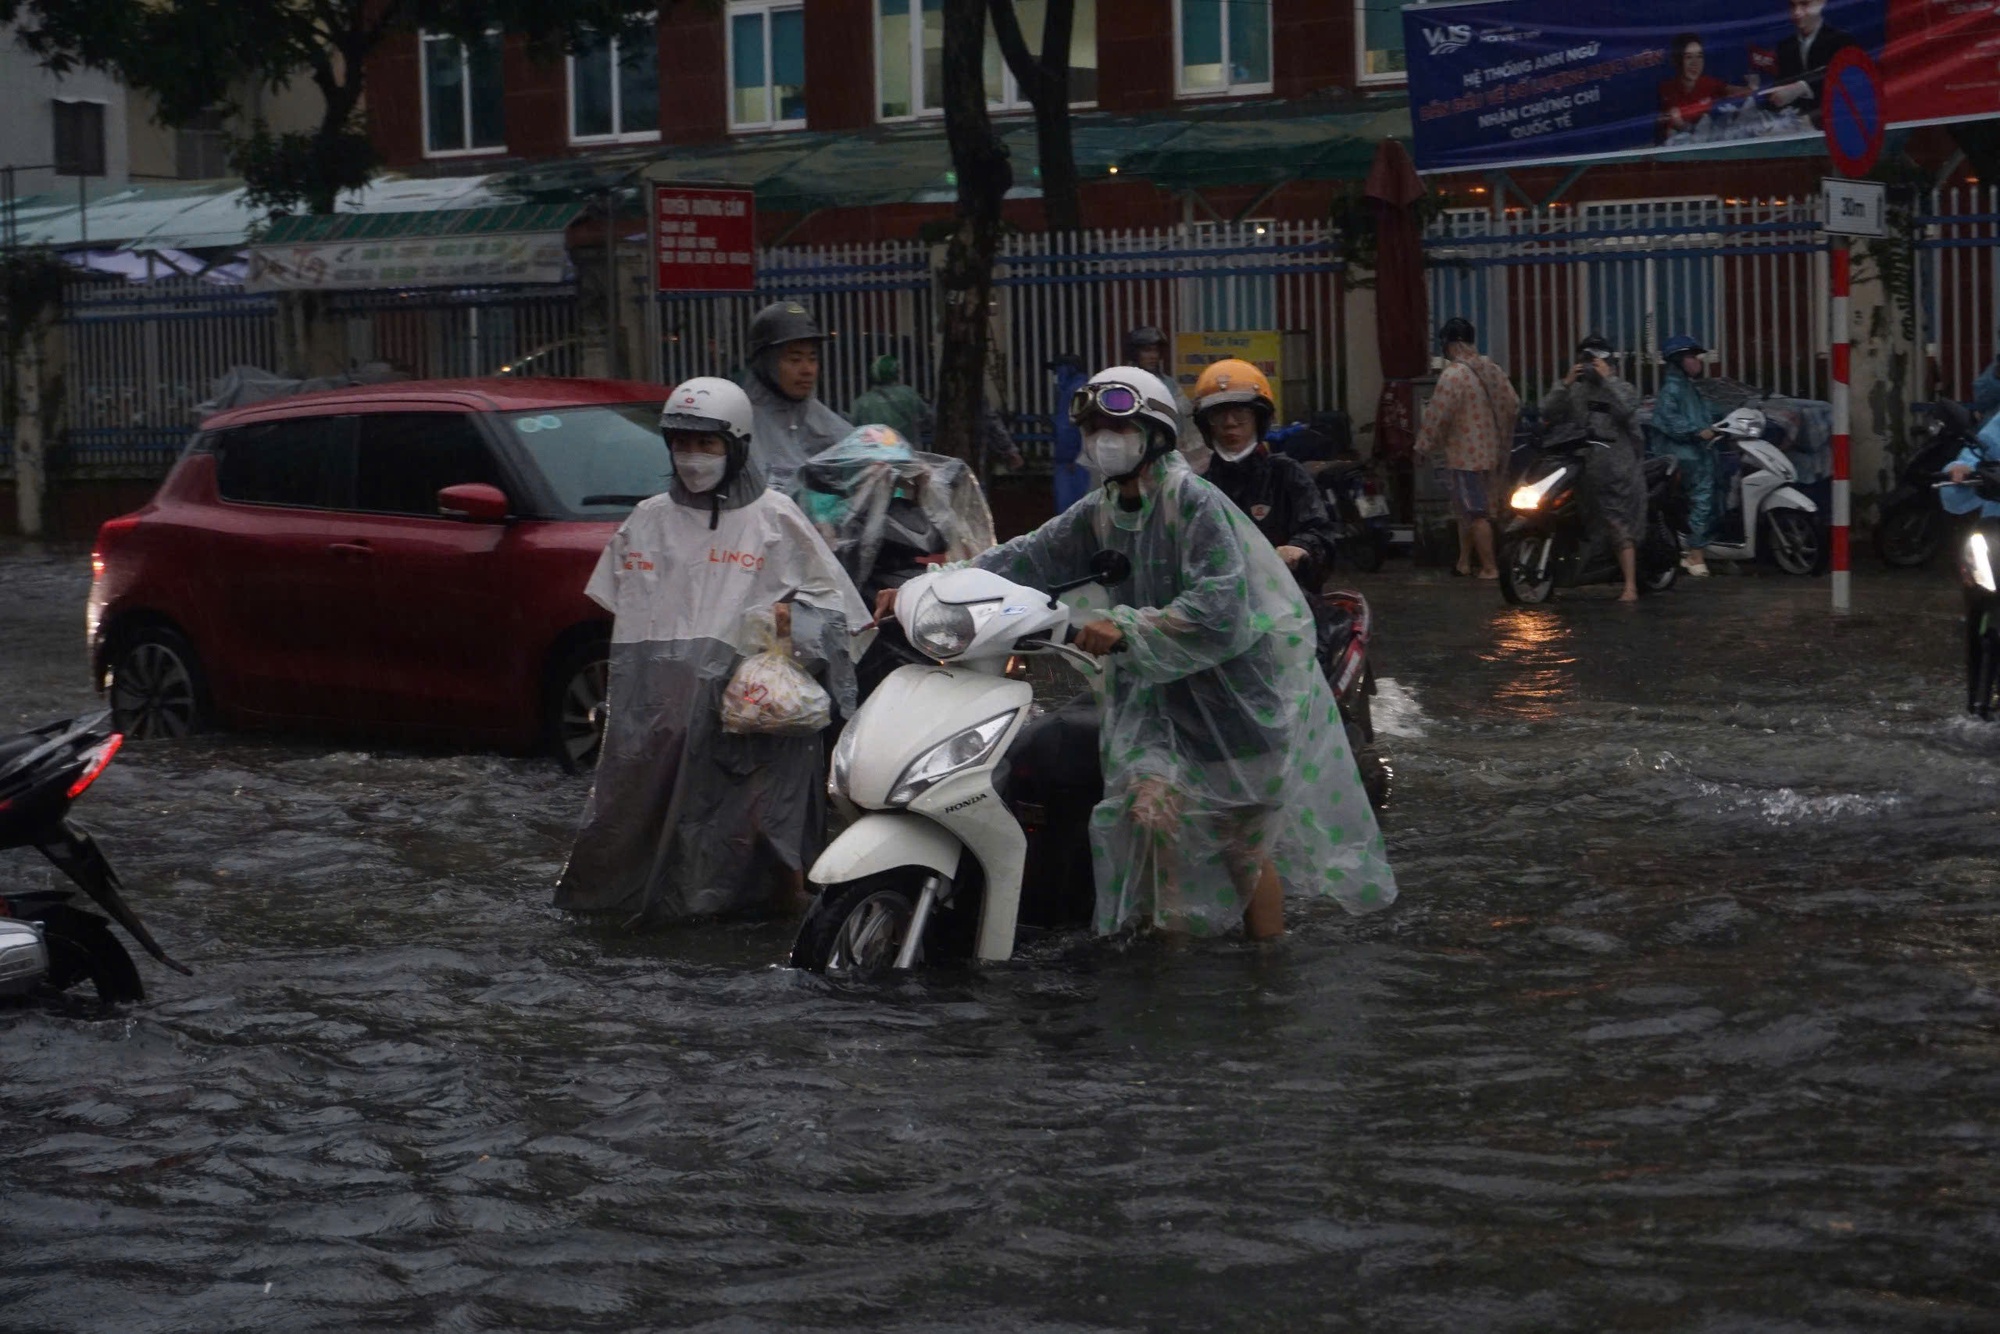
(770, 694)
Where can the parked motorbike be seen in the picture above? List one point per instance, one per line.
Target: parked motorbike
(1763, 505)
(47, 943)
(1910, 524)
(1550, 541)
(1360, 511)
(934, 861)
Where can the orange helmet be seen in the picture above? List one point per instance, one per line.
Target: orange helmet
(1233, 381)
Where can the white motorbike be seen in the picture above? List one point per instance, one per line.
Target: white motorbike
(1763, 504)
(956, 791)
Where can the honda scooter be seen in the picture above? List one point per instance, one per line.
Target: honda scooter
(935, 858)
(1978, 560)
(1550, 542)
(1910, 525)
(1763, 505)
(46, 942)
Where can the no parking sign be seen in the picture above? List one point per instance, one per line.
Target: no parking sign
(1853, 111)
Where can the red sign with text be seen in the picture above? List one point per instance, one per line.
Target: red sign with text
(704, 240)
(1942, 61)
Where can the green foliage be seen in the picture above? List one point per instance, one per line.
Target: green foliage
(1894, 257)
(284, 173)
(1354, 223)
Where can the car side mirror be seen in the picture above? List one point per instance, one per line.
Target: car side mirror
(475, 502)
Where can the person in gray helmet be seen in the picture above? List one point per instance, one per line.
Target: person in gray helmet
(792, 424)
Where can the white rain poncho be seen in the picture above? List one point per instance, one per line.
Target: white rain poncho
(1221, 743)
(686, 819)
(847, 492)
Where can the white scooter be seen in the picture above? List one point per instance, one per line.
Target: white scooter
(1762, 500)
(947, 817)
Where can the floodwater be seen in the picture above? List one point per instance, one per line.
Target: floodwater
(1688, 1019)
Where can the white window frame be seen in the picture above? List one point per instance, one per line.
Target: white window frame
(1362, 78)
(1011, 101)
(616, 136)
(1234, 89)
(765, 8)
(464, 95)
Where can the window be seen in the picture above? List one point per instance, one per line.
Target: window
(767, 66)
(909, 48)
(79, 134)
(1380, 23)
(1224, 46)
(462, 96)
(598, 461)
(300, 463)
(403, 459)
(614, 90)
(201, 147)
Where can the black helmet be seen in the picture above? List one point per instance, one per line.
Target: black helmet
(782, 322)
(1457, 329)
(1146, 335)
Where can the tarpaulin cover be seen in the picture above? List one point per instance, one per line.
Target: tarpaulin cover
(1510, 82)
(686, 819)
(847, 492)
(1222, 744)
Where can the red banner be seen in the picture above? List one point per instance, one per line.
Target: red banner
(704, 240)
(1942, 61)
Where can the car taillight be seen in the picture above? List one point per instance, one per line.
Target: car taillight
(97, 763)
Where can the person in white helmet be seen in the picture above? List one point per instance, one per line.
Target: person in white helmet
(1227, 779)
(686, 820)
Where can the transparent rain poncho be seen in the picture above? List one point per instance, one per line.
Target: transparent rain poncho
(848, 492)
(1221, 744)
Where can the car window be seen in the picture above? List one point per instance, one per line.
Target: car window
(301, 462)
(599, 461)
(403, 459)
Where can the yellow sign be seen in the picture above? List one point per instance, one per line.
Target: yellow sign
(1195, 352)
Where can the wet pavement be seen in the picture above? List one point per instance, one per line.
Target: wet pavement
(1688, 1019)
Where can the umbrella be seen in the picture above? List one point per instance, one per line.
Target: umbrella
(1402, 316)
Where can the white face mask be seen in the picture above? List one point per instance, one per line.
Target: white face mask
(1116, 452)
(699, 473)
(1240, 454)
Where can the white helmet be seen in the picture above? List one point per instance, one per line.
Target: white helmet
(1742, 424)
(1128, 392)
(712, 405)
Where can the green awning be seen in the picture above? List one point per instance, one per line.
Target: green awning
(494, 221)
(1268, 150)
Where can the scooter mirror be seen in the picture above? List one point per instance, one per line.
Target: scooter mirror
(1110, 567)
(1955, 418)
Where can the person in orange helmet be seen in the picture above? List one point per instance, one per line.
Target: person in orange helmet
(1233, 410)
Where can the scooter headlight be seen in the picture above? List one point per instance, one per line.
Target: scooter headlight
(1979, 562)
(942, 630)
(843, 760)
(1531, 496)
(949, 756)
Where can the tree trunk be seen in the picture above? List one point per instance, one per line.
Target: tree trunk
(30, 451)
(1044, 80)
(984, 176)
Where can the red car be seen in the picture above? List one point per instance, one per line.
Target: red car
(407, 558)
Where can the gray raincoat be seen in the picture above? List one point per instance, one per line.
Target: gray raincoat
(1606, 411)
(785, 432)
(687, 820)
(1221, 742)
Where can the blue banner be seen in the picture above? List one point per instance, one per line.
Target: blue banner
(1511, 82)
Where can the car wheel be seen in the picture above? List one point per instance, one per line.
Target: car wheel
(157, 686)
(574, 712)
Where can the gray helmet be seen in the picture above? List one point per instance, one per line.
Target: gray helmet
(782, 322)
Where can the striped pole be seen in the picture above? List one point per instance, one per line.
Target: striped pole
(1842, 590)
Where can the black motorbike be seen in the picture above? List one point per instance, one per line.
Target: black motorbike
(1360, 510)
(47, 942)
(1910, 525)
(1550, 542)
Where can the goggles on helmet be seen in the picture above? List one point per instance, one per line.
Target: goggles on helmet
(1105, 400)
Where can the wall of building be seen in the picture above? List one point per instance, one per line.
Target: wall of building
(27, 126)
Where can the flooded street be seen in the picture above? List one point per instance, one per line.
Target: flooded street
(1688, 1019)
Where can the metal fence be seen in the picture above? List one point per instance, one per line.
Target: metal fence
(435, 334)
(1053, 293)
(140, 357)
(1745, 276)
(1960, 280)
